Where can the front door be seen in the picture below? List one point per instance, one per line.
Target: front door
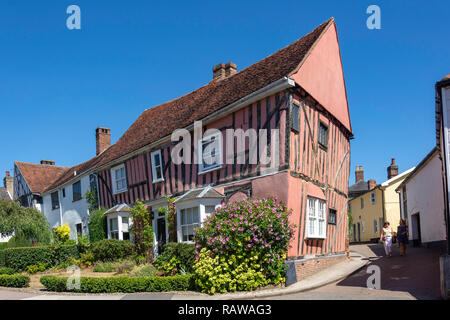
(161, 233)
(359, 232)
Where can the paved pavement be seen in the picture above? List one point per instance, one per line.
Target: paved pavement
(415, 276)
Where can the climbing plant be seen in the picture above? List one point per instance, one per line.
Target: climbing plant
(142, 231)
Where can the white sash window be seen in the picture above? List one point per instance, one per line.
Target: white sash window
(317, 219)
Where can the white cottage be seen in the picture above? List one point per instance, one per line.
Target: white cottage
(422, 202)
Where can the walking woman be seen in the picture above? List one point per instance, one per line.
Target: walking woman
(402, 237)
(386, 237)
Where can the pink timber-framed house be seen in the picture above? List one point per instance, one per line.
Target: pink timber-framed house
(300, 91)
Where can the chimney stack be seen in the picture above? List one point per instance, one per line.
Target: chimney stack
(8, 183)
(371, 184)
(48, 162)
(392, 170)
(359, 174)
(222, 71)
(102, 139)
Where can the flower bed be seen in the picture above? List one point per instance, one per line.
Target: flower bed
(121, 284)
(14, 281)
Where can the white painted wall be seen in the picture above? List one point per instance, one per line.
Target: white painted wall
(425, 195)
(70, 212)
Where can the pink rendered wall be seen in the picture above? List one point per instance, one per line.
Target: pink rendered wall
(322, 77)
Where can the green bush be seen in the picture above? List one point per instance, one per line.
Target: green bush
(35, 268)
(243, 246)
(146, 271)
(176, 257)
(2, 258)
(117, 266)
(121, 284)
(3, 245)
(97, 225)
(20, 258)
(111, 249)
(6, 271)
(14, 281)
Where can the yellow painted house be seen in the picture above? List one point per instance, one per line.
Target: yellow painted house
(371, 204)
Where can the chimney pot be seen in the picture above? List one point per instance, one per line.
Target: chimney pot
(102, 139)
(222, 71)
(392, 170)
(8, 183)
(371, 184)
(48, 162)
(359, 174)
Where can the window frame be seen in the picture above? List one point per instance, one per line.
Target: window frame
(315, 221)
(54, 206)
(193, 224)
(201, 168)
(295, 122)
(373, 198)
(73, 192)
(375, 226)
(153, 154)
(335, 216)
(113, 231)
(114, 180)
(323, 144)
(362, 203)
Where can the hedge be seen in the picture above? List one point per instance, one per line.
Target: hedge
(6, 271)
(121, 284)
(184, 252)
(2, 258)
(111, 249)
(20, 258)
(14, 281)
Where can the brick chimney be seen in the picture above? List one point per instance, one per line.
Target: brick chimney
(371, 184)
(359, 174)
(102, 139)
(8, 183)
(392, 170)
(48, 162)
(222, 71)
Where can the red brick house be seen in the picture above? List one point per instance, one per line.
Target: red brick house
(298, 96)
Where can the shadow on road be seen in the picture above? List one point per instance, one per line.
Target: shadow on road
(417, 273)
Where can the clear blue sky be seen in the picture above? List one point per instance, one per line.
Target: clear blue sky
(58, 85)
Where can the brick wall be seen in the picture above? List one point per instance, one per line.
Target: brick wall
(307, 267)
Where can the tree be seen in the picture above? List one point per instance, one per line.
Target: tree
(24, 223)
(142, 231)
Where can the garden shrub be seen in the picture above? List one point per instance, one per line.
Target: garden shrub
(61, 234)
(2, 258)
(121, 284)
(87, 259)
(97, 225)
(176, 257)
(3, 245)
(20, 258)
(35, 268)
(14, 281)
(116, 266)
(243, 246)
(142, 231)
(111, 249)
(146, 271)
(6, 271)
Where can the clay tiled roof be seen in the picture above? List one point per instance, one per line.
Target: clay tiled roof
(39, 176)
(70, 173)
(160, 121)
